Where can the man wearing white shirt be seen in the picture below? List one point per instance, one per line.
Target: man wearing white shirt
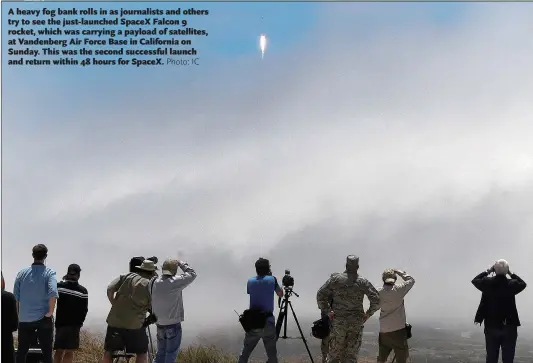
(392, 320)
(167, 305)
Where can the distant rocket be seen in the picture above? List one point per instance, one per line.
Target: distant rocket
(262, 44)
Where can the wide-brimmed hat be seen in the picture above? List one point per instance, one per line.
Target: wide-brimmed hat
(147, 265)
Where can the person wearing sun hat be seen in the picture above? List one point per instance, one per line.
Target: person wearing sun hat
(130, 300)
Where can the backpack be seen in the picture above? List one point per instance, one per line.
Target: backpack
(320, 328)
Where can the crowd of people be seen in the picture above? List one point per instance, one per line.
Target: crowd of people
(143, 297)
(340, 301)
(138, 293)
(37, 296)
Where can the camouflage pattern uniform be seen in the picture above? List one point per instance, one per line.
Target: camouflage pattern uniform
(324, 346)
(347, 290)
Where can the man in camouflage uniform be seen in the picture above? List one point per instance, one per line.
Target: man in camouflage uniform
(347, 290)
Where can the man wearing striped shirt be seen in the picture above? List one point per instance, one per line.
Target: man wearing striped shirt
(72, 307)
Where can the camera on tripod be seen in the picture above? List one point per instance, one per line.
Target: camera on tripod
(284, 305)
(288, 280)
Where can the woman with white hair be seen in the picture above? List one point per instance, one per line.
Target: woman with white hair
(497, 310)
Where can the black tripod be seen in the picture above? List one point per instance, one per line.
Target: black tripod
(282, 318)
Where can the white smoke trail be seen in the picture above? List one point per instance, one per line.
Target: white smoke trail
(262, 44)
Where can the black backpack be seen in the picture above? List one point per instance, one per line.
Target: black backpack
(320, 328)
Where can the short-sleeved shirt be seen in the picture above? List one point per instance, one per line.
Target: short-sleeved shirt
(261, 290)
(132, 301)
(34, 287)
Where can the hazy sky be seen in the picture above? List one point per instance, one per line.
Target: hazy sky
(400, 133)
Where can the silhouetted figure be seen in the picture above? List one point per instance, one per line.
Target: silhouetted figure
(10, 323)
(497, 310)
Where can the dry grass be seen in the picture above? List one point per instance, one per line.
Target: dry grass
(92, 348)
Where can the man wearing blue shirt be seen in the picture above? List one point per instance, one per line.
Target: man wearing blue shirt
(36, 294)
(261, 289)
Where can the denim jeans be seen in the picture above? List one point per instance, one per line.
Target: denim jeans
(42, 331)
(168, 343)
(504, 338)
(268, 335)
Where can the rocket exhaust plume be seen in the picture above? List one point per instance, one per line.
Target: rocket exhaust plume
(262, 44)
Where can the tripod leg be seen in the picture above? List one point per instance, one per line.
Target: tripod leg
(150, 345)
(301, 332)
(285, 323)
(282, 316)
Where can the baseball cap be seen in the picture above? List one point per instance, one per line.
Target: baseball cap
(169, 267)
(389, 276)
(352, 260)
(73, 270)
(352, 263)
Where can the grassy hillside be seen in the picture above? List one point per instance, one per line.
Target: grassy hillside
(91, 351)
(429, 345)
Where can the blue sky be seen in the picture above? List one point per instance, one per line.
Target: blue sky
(233, 37)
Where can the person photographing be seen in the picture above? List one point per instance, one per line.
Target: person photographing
(497, 310)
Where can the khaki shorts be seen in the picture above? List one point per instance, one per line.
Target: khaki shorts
(393, 341)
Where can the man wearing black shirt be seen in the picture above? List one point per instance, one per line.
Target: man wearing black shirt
(497, 310)
(72, 307)
(10, 323)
